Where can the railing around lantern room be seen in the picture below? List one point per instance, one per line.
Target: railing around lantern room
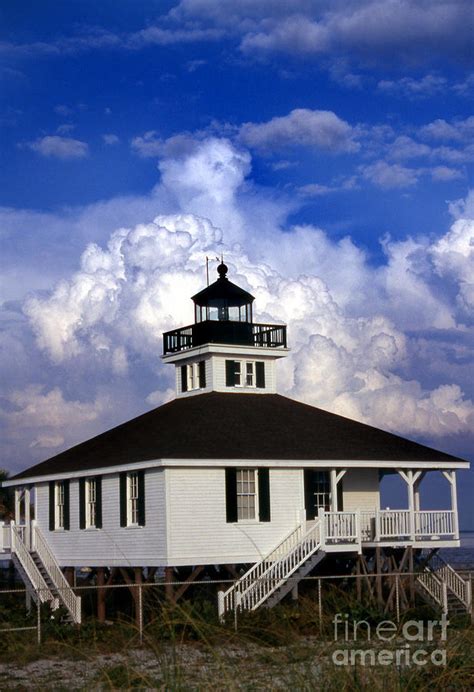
(225, 332)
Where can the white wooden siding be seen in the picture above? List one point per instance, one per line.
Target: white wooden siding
(216, 374)
(112, 545)
(361, 489)
(197, 529)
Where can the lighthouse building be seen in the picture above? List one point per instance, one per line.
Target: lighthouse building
(229, 477)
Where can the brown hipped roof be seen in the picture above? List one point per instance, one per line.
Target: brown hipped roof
(236, 426)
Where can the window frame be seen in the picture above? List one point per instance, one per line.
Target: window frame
(245, 373)
(193, 376)
(245, 478)
(91, 503)
(59, 505)
(133, 499)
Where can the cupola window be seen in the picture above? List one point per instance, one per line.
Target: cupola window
(245, 373)
(193, 376)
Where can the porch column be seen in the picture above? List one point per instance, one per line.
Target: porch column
(17, 505)
(410, 478)
(335, 478)
(27, 500)
(416, 488)
(451, 478)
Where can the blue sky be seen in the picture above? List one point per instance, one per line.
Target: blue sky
(325, 147)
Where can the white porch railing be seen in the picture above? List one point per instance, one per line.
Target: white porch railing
(434, 523)
(66, 594)
(340, 525)
(394, 523)
(400, 524)
(340, 528)
(5, 537)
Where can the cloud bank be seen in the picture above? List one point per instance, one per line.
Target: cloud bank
(372, 343)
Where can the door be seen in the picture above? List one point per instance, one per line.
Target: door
(317, 492)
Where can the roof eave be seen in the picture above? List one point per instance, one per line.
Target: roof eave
(273, 463)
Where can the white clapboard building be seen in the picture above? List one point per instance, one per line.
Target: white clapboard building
(229, 473)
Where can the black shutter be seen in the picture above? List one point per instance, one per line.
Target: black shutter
(67, 522)
(184, 378)
(309, 495)
(264, 494)
(51, 506)
(98, 502)
(260, 374)
(230, 373)
(123, 499)
(202, 374)
(231, 495)
(141, 498)
(82, 503)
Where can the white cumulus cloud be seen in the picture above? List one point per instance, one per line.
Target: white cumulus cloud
(346, 321)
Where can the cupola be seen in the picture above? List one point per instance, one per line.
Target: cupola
(224, 350)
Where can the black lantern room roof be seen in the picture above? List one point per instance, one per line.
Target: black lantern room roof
(223, 290)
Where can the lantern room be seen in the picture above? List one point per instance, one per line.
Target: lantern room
(223, 301)
(223, 314)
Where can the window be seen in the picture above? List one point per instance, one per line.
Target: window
(132, 498)
(249, 374)
(193, 376)
(59, 505)
(90, 503)
(237, 372)
(59, 519)
(245, 373)
(247, 494)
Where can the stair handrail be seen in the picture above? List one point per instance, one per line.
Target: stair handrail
(455, 583)
(260, 567)
(65, 592)
(241, 594)
(19, 549)
(281, 570)
(435, 587)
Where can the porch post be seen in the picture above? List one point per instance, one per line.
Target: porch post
(27, 498)
(410, 479)
(451, 477)
(333, 491)
(17, 505)
(335, 478)
(411, 504)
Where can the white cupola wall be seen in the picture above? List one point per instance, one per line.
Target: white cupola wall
(224, 350)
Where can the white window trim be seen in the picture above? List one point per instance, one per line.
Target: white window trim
(192, 377)
(255, 519)
(59, 493)
(243, 374)
(89, 503)
(132, 484)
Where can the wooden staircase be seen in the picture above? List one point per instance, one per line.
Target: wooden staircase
(41, 574)
(444, 587)
(269, 580)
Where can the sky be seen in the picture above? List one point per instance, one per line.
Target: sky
(324, 148)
